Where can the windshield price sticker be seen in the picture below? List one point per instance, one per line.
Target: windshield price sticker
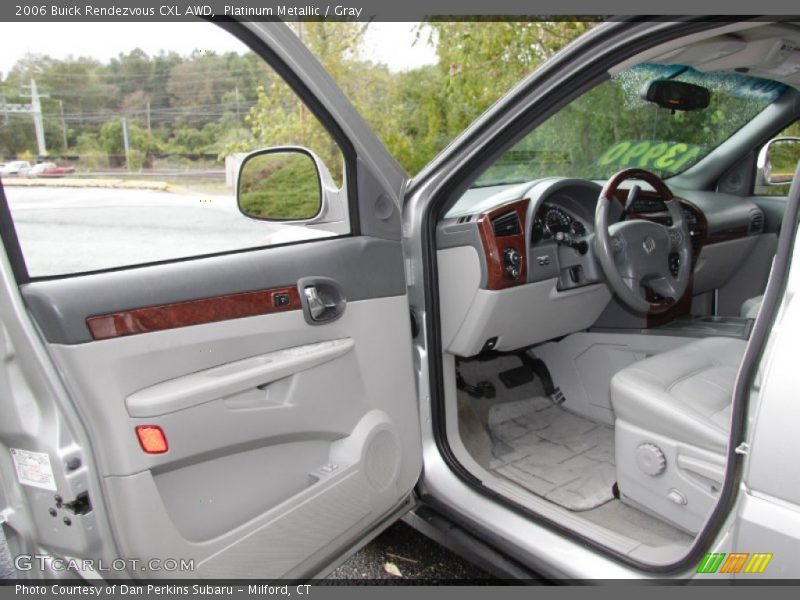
(667, 157)
(34, 469)
(762, 90)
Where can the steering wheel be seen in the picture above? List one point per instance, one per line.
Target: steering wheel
(635, 254)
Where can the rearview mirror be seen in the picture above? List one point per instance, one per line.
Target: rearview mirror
(778, 160)
(676, 95)
(280, 184)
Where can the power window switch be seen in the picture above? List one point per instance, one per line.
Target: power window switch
(280, 299)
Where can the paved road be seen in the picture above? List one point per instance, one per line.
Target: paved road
(68, 230)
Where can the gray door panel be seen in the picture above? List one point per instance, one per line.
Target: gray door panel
(289, 437)
(61, 306)
(326, 449)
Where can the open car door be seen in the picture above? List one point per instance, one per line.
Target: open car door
(198, 417)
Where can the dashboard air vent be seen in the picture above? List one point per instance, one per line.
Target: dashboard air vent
(506, 225)
(756, 221)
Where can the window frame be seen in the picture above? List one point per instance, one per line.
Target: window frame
(8, 232)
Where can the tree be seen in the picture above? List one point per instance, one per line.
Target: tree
(279, 117)
(480, 61)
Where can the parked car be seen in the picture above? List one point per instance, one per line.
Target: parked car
(49, 169)
(15, 167)
(570, 347)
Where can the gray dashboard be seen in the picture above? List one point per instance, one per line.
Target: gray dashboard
(722, 212)
(720, 216)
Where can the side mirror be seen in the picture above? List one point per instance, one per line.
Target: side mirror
(289, 184)
(777, 161)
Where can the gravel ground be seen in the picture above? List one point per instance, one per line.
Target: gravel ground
(6, 566)
(401, 553)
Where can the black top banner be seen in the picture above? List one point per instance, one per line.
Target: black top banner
(376, 10)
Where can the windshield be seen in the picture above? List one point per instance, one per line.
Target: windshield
(611, 127)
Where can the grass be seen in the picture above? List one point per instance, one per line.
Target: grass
(280, 187)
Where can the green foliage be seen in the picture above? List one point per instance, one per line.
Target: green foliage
(280, 186)
(279, 118)
(221, 103)
(580, 139)
(480, 61)
(91, 153)
(165, 95)
(217, 103)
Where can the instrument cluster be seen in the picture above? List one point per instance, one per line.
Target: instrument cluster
(550, 221)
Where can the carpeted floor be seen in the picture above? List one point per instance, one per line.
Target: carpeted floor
(553, 453)
(522, 436)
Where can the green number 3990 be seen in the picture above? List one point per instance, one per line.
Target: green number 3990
(670, 157)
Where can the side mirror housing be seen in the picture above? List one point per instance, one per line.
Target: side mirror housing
(777, 161)
(290, 184)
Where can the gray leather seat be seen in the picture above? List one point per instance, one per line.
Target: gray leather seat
(750, 307)
(671, 429)
(684, 394)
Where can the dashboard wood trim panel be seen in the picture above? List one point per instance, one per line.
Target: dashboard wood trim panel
(192, 312)
(493, 247)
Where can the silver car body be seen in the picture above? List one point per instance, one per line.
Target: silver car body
(765, 512)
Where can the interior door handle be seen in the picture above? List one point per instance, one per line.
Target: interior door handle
(322, 298)
(317, 307)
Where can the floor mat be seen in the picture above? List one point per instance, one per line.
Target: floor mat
(553, 453)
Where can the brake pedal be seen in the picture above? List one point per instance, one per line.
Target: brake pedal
(516, 377)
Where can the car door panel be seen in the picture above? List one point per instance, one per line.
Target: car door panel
(284, 437)
(292, 429)
(62, 306)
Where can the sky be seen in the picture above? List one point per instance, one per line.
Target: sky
(389, 43)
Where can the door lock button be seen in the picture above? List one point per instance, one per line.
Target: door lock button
(280, 299)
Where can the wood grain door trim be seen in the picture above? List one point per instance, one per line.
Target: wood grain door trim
(193, 312)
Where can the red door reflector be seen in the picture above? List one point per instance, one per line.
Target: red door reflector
(152, 439)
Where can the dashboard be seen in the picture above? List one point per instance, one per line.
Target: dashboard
(517, 263)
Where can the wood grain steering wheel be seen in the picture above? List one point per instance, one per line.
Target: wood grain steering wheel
(635, 254)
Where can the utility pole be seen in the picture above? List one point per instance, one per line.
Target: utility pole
(63, 124)
(124, 122)
(36, 112)
(149, 131)
(237, 104)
